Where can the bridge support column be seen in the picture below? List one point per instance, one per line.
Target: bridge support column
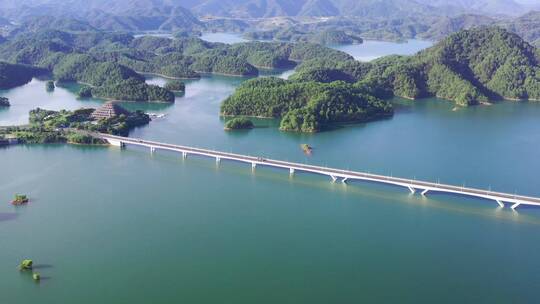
(344, 180)
(253, 166)
(218, 160)
(152, 149)
(514, 206)
(291, 171)
(184, 154)
(411, 189)
(501, 204)
(334, 179)
(424, 192)
(116, 143)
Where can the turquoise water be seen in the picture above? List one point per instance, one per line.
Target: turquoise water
(33, 95)
(123, 226)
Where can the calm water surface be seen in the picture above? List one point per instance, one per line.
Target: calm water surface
(124, 226)
(371, 49)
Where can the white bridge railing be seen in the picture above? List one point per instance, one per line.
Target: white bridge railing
(335, 174)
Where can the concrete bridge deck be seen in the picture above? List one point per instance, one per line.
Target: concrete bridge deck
(335, 174)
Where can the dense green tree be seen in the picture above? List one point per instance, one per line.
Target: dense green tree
(238, 123)
(175, 85)
(12, 75)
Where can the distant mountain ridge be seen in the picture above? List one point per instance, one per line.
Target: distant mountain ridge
(255, 8)
(359, 8)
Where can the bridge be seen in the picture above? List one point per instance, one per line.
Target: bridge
(335, 174)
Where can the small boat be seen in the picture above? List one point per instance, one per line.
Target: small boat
(307, 149)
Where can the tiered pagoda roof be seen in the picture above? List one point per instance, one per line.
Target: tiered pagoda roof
(108, 110)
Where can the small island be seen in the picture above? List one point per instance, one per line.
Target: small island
(75, 127)
(49, 86)
(4, 102)
(85, 92)
(19, 199)
(175, 85)
(26, 265)
(238, 123)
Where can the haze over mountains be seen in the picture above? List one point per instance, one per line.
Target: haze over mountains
(20, 9)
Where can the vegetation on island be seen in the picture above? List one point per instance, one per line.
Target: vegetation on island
(238, 123)
(20, 199)
(26, 264)
(81, 119)
(108, 80)
(291, 34)
(85, 92)
(305, 106)
(36, 276)
(46, 126)
(469, 67)
(13, 75)
(109, 64)
(4, 102)
(175, 85)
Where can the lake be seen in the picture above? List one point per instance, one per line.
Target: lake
(106, 225)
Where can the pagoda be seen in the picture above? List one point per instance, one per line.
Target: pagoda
(109, 110)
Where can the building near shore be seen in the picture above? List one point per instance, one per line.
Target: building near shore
(108, 110)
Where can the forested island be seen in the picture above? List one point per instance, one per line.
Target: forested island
(110, 63)
(290, 34)
(175, 85)
(305, 106)
(238, 123)
(469, 67)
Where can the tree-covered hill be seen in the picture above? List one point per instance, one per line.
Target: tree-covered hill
(468, 67)
(13, 75)
(111, 62)
(304, 106)
(324, 36)
(181, 58)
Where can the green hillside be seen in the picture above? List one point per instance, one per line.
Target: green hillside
(468, 67)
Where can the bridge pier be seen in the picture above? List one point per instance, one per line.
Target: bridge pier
(514, 206)
(501, 204)
(152, 149)
(344, 180)
(184, 154)
(218, 160)
(424, 192)
(411, 189)
(116, 143)
(334, 179)
(291, 171)
(253, 166)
